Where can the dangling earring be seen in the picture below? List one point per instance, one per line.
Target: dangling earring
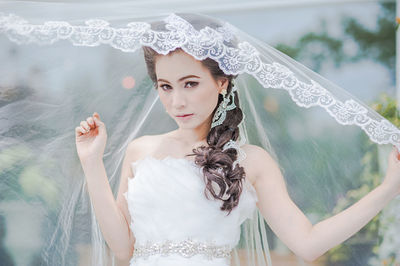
(223, 107)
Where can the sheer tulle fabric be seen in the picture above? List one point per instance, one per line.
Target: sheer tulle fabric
(58, 73)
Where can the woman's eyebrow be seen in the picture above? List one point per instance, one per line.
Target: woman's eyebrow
(183, 78)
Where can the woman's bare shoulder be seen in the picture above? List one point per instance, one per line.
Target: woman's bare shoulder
(254, 152)
(135, 148)
(257, 160)
(144, 145)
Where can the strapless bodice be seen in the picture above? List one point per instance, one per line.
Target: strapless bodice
(166, 201)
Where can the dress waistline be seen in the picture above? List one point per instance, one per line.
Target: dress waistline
(186, 248)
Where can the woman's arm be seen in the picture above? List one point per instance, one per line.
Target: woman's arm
(292, 226)
(112, 215)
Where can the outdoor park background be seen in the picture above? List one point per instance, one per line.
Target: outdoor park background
(351, 43)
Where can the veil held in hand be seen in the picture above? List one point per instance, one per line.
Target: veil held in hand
(61, 65)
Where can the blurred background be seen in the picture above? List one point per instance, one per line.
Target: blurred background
(352, 43)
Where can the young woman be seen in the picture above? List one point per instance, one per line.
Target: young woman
(191, 91)
(174, 186)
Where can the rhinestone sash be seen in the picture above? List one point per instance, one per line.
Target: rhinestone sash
(186, 248)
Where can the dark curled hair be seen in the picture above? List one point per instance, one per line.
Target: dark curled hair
(216, 163)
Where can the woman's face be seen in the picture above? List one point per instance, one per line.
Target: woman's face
(187, 89)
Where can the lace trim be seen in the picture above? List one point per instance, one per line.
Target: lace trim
(201, 44)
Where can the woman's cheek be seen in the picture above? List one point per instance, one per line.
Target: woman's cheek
(206, 93)
(164, 102)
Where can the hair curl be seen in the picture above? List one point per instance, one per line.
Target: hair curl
(222, 181)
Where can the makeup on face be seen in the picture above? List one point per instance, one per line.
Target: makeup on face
(186, 88)
(185, 117)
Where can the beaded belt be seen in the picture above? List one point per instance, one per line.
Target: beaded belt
(186, 248)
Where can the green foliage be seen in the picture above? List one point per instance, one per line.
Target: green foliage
(376, 44)
(387, 107)
(368, 235)
(331, 49)
(24, 178)
(371, 177)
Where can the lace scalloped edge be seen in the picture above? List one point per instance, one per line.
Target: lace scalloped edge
(201, 44)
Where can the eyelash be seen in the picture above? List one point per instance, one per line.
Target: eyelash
(193, 84)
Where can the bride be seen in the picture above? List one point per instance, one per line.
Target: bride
(202, 100)
(226, 135)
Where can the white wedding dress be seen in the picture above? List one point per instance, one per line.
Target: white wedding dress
(166, 201)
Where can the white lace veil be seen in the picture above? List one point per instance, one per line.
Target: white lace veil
(59, 66)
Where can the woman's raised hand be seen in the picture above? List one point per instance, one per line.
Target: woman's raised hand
(392, 178)
(91, 138)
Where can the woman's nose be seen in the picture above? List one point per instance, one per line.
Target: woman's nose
(178, 99)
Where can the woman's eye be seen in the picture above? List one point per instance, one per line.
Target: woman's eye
(165, 87)
(191, 84)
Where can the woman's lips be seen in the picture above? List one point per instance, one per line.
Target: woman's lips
(184, 117)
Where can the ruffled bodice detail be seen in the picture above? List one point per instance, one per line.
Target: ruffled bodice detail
(166, 201)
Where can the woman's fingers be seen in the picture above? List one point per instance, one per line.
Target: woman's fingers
(96, 115)
(80, 131)
(90, 121)
(396, 153)
(97, 121)
(85, 125)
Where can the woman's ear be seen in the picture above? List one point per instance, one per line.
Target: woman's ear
(222, 84)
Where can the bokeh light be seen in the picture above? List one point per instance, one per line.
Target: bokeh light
(128, 82)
